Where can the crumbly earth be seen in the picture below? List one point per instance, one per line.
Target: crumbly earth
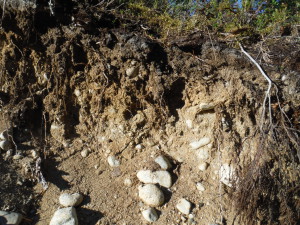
(112, 90)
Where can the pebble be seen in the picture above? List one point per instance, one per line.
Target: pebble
(203, 166)
(150, 215)
(132, 71)
(189, 123)
(128, 182)
(17, 157)
(163, 178)
(226, 174)
(200, 187)
(68, 200)
(34, 154)
(151, 195)
(84, 153)
(184, 206)
(64, 216)
(163, 162)
(5, 145)
(4, 135)
(200, 143)
(203, 154)
(10, 218)
(206, 106)
(113, 161)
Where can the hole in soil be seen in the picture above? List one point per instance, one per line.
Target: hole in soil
(174, 96)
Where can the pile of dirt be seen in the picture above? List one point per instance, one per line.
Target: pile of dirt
(84, 84)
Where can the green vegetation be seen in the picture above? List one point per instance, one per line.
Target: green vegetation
(170, 17)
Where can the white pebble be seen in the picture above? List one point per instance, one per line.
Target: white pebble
(113, 161)
(200, 143)
(4, 135)
(10, 218)
(17, 157)
(84, 153)
(184, 206)
(34, 154)
(127, 182)
(138, 147)
(203, 166)
(189, 123)
(68, 200)
(64, 216)
(150, 215)
(202, 154)
(77, 92)
(163, 178)
(5, 145)
(151, 195)
(200, 187)
(163, 162)
(226, 174)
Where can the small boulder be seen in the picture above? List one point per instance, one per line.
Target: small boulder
(150, 215)
(68, 200)
(161, 177)
(151, 195)
(64, 216)
(184, 206)
(10, 218)
(163, 162)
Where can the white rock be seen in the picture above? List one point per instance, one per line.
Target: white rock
(34, 154)
(68, 200)
(132, 71)
(138, 147)
(162, 178)
(84, 153)
(200, 187)
(226, 174)
(17, 157)
(128, 182)
(113, 161)
(184, 206)
(5, 145)
(202, 154)
(77, 92)
(150, 215)
(4, 135)
(163, 162)
(189, 123)
(206, 106)
(200, 143)
(64, 216)
(203, 166)
(10, 218)
(151, 195)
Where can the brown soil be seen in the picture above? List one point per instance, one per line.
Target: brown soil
(71, 75)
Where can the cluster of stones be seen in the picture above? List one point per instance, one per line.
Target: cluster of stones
(149, 192)
(67, 215)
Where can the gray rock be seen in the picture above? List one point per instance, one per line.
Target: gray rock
(113, 161)
(68, 200)
(162, 178)
(65, 216)
(150, 215)
(5, 145)
(163, 162)
(151, 195)
(10, 218)
(184, 206)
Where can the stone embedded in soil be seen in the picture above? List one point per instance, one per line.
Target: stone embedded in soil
(65, 216)
(84, 153)
(184, 206)
(5, 145)
(150, 215)
(113, 161)
(68, 200)
(10, 218)
(200, 143)
(4, 135)
(202, 154)
(226, 174)
(206, 106)
(163, 178)
(189, 123)
(200, 187)
(203, 166)
(132, 71)
(163, 162)
(151, 195)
